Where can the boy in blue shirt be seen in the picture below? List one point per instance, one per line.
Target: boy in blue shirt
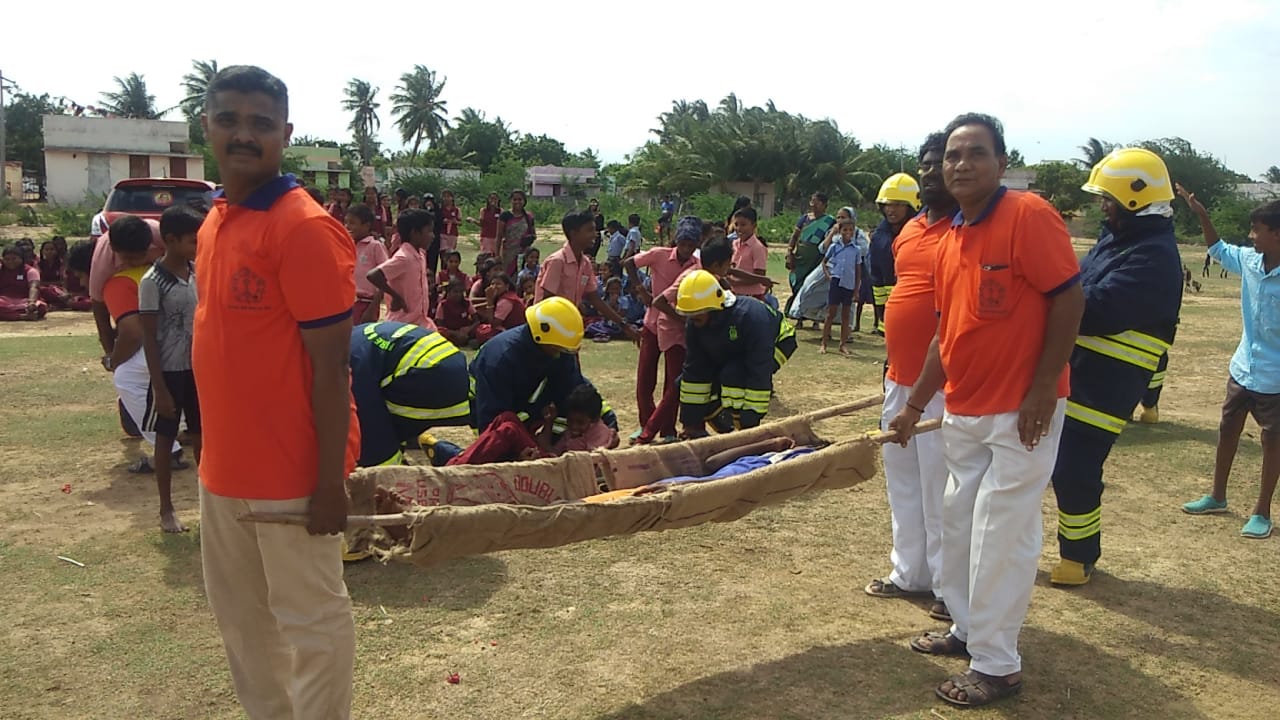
(617, 244)
(1253, 386)
(842, 265)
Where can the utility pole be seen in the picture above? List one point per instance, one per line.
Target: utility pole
(4, 166)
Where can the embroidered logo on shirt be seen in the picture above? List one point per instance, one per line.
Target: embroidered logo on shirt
(733, 333)
(247, 287)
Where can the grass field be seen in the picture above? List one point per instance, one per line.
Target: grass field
(758, 619)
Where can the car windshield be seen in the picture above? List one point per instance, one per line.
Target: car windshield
(155, 199)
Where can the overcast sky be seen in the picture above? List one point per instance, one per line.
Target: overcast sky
(594, 75)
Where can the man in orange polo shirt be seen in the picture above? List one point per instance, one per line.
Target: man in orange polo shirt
(270, 355)
(1009, 303)
(915, 476)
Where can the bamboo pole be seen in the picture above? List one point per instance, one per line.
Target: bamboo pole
(844, 409)
(400, 519)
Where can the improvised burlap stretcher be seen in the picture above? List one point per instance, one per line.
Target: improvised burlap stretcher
(465, 510)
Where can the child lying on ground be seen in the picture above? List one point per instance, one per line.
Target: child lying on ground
(508, 439)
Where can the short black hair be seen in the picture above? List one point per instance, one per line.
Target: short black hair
(248, 79)
(519, 192)
(716, 249)
(362, 212)
(986, 121)
(402, 193)
(80, 256)
(315, 194)
(486, 265)
(12, 250)
(453, 254)
(575, 220)
(746, 213)
(130, 233)
(613, 224)
(633, 219)
(180, 220)
(740, 202)
(1268, 215)
(820, 197)
(584, 399)
(413, 220)
(504, 278)
(936, 142)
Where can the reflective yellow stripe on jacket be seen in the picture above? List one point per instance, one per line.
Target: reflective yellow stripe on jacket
(1096, 418)
(424, 353)
(1129, 346)
(880, 293)
(1157, 380)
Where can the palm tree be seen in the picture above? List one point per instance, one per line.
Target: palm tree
(477, 140)
(1094, 151)
(419, 111)
(131, 99)
(196, 85)
(362, 104)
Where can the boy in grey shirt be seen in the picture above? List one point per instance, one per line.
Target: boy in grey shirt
(167, 306)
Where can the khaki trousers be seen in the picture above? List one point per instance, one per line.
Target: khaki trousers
(282, 608)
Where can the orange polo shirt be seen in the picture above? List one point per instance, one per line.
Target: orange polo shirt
(995, 279)
(269, 267)
(911, 314)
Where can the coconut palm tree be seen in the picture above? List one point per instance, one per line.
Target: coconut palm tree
(130, 99)
(361, 102)
(195, 85)
(420, 113)
(1094, 151)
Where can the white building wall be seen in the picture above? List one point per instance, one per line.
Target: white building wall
(67, 177)
(67, 174)
(113, 134)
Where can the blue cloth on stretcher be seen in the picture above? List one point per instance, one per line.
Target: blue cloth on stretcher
(744, 464)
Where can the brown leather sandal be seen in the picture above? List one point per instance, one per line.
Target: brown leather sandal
(936, 643)
(977, 688)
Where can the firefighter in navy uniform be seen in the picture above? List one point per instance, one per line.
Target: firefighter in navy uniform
(525, 368)
(1133, 291)
(899, 200)
(405, 379)
(734, 346)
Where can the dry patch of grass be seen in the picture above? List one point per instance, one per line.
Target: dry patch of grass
(760, 618)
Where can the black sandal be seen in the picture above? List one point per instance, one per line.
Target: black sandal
(979, 689)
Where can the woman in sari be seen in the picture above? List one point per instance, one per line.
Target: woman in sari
(515, 232)
(803, 254)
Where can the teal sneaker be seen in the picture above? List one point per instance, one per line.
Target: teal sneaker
(1206, 505)
(1258, 528)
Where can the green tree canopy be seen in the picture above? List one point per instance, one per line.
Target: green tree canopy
(420, 112)
(131, 99)
(24, 129)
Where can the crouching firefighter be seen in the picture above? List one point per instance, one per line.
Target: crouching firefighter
(518, 374)
(734, 346)
(1133, 291)
(405, 379)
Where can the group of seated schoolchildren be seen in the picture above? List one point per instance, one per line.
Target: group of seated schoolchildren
(472, 310)
(31, 285)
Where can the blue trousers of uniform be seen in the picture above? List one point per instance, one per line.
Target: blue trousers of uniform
(398, 413)
(1077, 483)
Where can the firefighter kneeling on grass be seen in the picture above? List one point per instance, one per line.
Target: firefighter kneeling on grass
(1133, 290)
(405, 379)
(735, 345)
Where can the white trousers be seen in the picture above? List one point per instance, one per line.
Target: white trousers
(282, 608)
(916, 478)
(133, 385)
(992, 531)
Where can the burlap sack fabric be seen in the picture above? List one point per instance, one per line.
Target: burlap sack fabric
(469, 510)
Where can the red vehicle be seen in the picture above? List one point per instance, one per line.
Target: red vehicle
(148, 198)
